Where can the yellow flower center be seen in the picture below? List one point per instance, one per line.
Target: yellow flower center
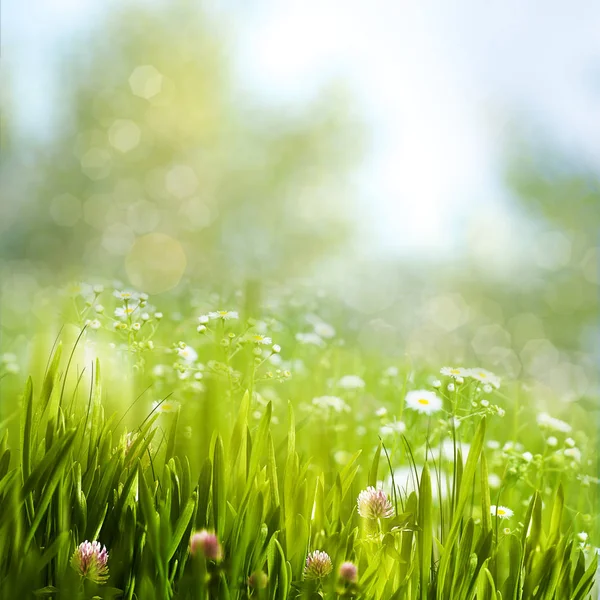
(423, 401)
(501, 511)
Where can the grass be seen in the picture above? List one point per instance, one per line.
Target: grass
(269, 449)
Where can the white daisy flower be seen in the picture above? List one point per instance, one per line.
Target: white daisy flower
(167, 406)
(546, 421)
(423, 401)
(125, 295)
(484, 376)
(351, 382)
(502, 512)
(203, 319)
(188, 354)
(257, 338)
(454, 372)
(226, 315)
(324, 330)
(124, 311)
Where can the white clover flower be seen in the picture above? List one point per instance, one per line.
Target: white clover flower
(166, 406)
(318, 565)
(374, 504)
(351, 382)
(188, 354)
(502, 512)
(225, 315)
(331, 403)
(484, 376)
(310, 339)
(423, 401)
(545, 421)
(454, 372)
(324, 330)
(124, 311)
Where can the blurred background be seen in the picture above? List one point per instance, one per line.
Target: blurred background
(430, 168)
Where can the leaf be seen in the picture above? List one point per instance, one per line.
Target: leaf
(181, 526)
(219, 498)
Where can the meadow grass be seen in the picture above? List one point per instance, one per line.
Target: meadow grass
(217, 456)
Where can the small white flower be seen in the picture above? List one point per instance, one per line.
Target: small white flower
(552, 441)
(436, 383)
(392, 371)
(450, 387)
(188, 354)
(310, 339)
(487, 388)
(573, 453)
(98, 288)
(397, 427)
(494, 481)
(527, 456)
(145, 316)
(459, 380)
(159, 370)
(331, 402)
(136, 327)
(262, 340)
(226, 315)
(124, 311)
(500, 411)
(351, 382)
(95, 324)
(276, 348)
(484, 403)
(324, 330)
(158, 316)
(454, 372)
(201, 328)
(423, 401)
(582, 536)
(547, 422)
(166, 406)
(125, 295)
(381, 412)
(99, 308)
(570, 442)
(203, 319)
(484, 376)
(493, 444)
(502, 512)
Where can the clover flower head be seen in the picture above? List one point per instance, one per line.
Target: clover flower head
(206, 544)
(90, 561)
(318, 565)
(374, 504)
(348, 572)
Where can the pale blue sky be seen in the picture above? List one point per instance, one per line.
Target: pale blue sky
(440, 84)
